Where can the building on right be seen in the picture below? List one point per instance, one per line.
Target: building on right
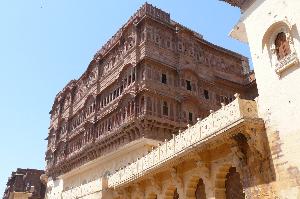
(271, 28)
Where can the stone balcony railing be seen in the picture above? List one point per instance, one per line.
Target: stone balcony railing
(193, 136)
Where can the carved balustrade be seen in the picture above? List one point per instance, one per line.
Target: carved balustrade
(192, 136)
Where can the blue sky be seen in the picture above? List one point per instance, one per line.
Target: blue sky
(46, 43)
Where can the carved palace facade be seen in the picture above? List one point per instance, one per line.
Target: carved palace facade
(151, 80)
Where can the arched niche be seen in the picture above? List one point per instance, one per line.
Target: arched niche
(278, 43)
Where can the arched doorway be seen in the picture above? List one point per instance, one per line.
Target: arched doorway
(200, 190)
(233, 185)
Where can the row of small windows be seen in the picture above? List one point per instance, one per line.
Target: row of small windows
(82, 115)
(77, 120)
(190, 114)
(117, 92)
(187, 83)
(115, 120)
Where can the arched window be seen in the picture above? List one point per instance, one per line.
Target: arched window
(282, 46)
(279, 40)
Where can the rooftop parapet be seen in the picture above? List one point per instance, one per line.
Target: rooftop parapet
(146, 9)
(216, 123)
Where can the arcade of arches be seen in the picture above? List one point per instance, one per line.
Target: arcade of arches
(226, 171)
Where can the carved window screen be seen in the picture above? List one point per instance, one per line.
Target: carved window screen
(282, 46)
(165, 108)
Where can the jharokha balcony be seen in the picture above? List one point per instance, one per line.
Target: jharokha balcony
(234, 132)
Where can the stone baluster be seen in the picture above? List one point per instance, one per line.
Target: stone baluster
(153, 156)
(200, 130)
(158, 149)
(174, 143)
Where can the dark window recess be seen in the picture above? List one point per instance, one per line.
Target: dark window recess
(165, 109)
(164, 78)
(188, 85)
(190, 117)
(282, 46)
(206, 94)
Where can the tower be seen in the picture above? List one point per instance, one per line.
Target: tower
(271, 28)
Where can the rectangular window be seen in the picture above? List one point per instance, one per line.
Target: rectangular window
(188, 85)
(190, 117)
(206, 94)
(164, 78)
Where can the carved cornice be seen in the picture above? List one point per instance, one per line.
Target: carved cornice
(236, 3)
(242, 4)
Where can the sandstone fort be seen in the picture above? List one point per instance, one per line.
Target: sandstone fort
(162, 113)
